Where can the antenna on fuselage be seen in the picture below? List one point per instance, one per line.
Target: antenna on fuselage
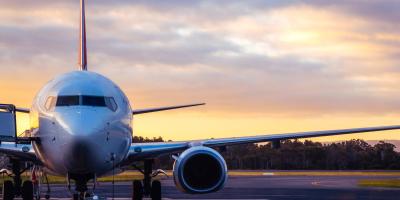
(82, 56)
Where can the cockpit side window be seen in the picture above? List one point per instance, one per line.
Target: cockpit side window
(67, 101)
(50, 103)
(111, 104)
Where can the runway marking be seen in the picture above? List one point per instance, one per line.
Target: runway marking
(316, 183)
(268, 174)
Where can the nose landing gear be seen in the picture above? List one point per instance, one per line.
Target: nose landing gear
(81, 187)
(149, 188)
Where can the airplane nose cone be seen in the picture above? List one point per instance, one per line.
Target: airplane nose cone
(82, 156)
(82, 122)
(85, 133)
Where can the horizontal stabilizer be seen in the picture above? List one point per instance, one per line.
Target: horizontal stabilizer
(149, 110)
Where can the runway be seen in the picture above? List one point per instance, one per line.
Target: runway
(263, 187)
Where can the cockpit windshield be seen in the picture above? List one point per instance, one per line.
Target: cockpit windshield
(82, 100)
(67, 101)
(93, 101)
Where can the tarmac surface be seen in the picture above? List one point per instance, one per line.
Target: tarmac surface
(261, 187)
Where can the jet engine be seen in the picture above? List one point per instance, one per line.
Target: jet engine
(200, 170)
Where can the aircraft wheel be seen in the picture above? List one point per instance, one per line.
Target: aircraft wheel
(137, 190)
(156, 190)
(47, 196)
(27, 190)
(8, 190)
(37, 196)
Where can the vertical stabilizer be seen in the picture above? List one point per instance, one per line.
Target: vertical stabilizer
(82, 57)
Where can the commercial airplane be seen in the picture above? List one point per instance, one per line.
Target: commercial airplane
(81, 128)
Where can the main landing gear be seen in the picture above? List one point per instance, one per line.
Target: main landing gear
(147, 187)
(15, 188)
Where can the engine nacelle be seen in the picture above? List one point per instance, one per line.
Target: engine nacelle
(200, 170)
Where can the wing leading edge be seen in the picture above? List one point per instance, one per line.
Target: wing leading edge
(23, 152)
(310, 134)
(140, 151)
(149, 110)
(134, 112)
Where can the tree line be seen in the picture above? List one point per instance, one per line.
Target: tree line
(296, 154)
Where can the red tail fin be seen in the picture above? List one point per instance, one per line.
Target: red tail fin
(82, 57)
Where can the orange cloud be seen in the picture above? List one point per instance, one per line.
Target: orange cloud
(264, 69)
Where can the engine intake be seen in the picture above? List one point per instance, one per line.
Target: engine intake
(200, 170)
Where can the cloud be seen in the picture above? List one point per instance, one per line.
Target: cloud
(252, 57)
(384, 11)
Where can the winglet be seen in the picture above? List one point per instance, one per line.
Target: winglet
(142, 111)
(82, 56)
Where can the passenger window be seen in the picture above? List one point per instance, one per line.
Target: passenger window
(50, 103)
(110, 102)
(67, 101)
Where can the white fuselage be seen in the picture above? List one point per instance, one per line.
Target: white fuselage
(84, 122)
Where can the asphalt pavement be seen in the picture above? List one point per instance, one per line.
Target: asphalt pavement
(261, 187)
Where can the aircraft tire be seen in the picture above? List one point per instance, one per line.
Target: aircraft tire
(156, 190)
(27, 190)
(137, 190)
(8, 190)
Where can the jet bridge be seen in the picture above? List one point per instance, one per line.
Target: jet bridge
(8, 126)
(8, 123)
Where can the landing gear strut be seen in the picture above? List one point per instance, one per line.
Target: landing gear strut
(16, 169)
(148, 168)
(149, 188)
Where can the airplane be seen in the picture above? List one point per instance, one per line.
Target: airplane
(81, 129)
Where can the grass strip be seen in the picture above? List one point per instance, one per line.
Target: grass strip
(388, 183)
(134, 175)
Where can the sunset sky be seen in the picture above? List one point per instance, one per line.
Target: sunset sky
(261, 66)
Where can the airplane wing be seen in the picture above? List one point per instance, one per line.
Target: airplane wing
(134, 112)
(149, 110)
(18, 151)
(141, 151)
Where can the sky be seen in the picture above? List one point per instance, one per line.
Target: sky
(261, 66)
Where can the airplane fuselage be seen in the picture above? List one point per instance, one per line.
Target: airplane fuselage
(84, 122)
